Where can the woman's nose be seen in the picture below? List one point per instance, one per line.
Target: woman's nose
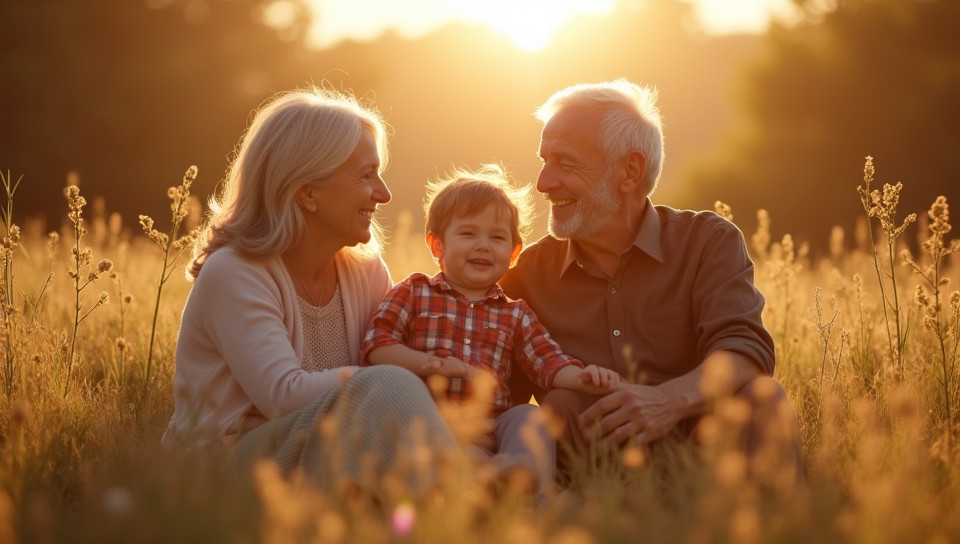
(381, 193)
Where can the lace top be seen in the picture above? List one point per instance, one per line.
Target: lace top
(325, 343)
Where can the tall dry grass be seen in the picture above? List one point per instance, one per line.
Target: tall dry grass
(867, 342)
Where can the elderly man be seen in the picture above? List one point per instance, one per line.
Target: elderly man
(666, 297)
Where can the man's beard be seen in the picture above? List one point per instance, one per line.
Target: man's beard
(593, 209)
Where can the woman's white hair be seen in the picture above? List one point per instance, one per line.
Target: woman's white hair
(631, 120)
(296, 137)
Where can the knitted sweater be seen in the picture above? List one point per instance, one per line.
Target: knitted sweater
(240, 346)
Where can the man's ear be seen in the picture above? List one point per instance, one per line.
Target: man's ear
(306, 196)
(435, 245)
(515, 254)
(634, 171)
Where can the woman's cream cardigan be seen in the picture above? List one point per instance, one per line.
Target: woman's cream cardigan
(241, 342)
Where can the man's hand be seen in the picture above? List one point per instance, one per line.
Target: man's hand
(642, 411)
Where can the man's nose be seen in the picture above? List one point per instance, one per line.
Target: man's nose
(546, 182)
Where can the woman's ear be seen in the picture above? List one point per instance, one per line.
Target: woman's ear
(435, 245)
(634, 171)
(307, 197)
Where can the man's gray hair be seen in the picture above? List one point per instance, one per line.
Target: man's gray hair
(631, 120)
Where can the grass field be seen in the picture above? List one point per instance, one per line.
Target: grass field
(867, 346)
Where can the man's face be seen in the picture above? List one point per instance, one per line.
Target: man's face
(575, 176)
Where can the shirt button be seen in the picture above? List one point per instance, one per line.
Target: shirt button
(613, 288)
(471, 305)
(467, 341)
(616, 332)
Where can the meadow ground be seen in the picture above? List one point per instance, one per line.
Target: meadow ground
(867, 345)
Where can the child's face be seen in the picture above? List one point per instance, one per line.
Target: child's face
(475, 252)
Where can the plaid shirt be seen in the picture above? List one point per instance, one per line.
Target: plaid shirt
(428, 315)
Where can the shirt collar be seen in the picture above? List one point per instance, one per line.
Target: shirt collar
(647, 239)
(439, 281)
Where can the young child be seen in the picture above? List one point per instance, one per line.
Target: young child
(459, 323)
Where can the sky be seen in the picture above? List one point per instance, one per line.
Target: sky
(528, 23)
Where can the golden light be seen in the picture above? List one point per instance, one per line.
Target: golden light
(529, 24)
(726, 16)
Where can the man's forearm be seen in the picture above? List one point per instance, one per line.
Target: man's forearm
(721, 374)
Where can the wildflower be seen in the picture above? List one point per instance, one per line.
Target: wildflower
(836, 242)
(105, 265)
(53, 240)
(921, 298)
(75, 202)
(12, 239)
(403, 519)
(633, 457)
(117, 501)
(724, 210)
(179, 197)
(331, 527)
(761, 239)
(121, 343)
(883, 204)
(731, 468)
(939, 214)
(20, 412)
(745, 525)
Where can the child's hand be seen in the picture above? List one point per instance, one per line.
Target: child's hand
(599, 380)
(449, 367)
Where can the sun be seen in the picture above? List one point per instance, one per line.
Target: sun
(528, 24)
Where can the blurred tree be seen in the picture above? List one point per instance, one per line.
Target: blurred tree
(867, 77)
(129, 93)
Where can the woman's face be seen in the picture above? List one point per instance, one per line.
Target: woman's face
(347, 202)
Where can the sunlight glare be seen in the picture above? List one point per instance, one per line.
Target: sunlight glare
(529, 24)
(732, 16)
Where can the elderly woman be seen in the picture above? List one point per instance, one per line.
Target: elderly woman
(287, 274)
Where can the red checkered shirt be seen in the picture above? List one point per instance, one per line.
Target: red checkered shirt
(427, 314)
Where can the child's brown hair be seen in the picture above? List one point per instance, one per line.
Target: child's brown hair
(464, 193)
